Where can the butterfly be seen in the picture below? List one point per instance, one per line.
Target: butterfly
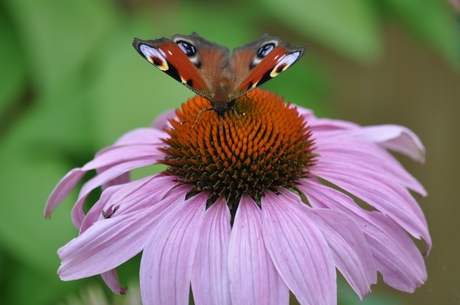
(207, 68)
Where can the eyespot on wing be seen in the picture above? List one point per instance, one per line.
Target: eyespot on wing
(285, 62)
(155, 56)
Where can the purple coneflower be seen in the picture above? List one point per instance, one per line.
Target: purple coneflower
(246, 212)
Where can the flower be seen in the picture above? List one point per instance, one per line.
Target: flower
(253, 204)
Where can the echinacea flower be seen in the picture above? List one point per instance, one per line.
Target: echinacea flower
(253, 204)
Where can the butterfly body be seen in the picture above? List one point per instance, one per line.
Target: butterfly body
(207, 68)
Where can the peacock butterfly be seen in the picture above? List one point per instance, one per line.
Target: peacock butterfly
(207, 68)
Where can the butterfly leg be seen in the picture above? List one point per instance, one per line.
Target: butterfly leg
(197, 116)
(237, 116)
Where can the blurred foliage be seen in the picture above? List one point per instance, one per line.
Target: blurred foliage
(71, 83)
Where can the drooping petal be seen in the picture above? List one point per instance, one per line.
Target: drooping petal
(168, 256)
(366, 155)
(121, 154)
(210, 281)
(110, 242)
(380, 192)
(397, 257)
(126, 198)
(298, 249)
(360, 163)
(395, 254)
(351, 251)
(62, 190)
(113, 172)
(123, 178)
(162, 121)
(111, 279)
(253, 277)
(141, 139)
(141, 136)
(394, 137)
(108, 195)
(102, 247)
(324, 125)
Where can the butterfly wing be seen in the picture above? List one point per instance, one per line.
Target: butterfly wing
(189, 59)
(261, 60)
(206, 68)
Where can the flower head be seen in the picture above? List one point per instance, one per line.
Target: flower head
(242, 212)
(247, 154)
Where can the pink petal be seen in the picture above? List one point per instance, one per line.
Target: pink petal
(298, 249)
(381, 193)
(397, 257)
(110, 242)
(122, 179)
(110, 156)
(393, 137)
(95, 213)
(362, 167)
(122, 154)
(126, 198)
(396, 138)
(162, 121)
(210, 264)
(368, 155)
(113, 172)
(111, 279)
(62, 190)
(324, 124)
(168, 257)
(141, 136)
(395, 254)
(352, 254)
(253, 277)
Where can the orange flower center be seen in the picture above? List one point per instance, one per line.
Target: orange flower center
(262, 144)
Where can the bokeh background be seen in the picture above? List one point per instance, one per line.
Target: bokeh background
(71, 84)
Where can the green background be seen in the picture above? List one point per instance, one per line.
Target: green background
(71, 84)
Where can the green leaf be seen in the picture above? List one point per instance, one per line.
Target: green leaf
(29, 287)
(11, 63)
(240, 30)
(350, 27)
(57, 121)
(56, 36)
(34, 156)
(25, 183)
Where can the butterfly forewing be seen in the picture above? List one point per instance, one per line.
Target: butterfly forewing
(261, 69)
(167, 56)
